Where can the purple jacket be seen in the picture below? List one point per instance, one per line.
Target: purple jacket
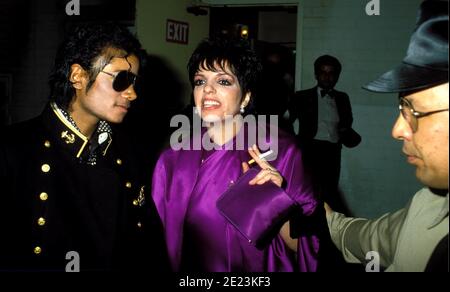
(186, 186)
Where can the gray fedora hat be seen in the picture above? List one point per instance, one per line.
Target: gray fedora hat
(426, 61)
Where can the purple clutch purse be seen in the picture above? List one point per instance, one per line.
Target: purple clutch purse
(257, 211)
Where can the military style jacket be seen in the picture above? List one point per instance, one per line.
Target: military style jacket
(62, 213)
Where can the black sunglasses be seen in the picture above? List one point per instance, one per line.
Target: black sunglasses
(122, 80)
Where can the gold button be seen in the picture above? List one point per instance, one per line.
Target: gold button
(135, 202)
(139, 224)
(128, 185)
(45, 168)
(43, 196)
(37, 250)
(41, 221)
(47, 144)
(119, 161)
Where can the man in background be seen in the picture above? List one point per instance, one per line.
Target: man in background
(325, 119)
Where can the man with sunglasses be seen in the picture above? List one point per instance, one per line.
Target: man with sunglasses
(71, 194)
(414, 238)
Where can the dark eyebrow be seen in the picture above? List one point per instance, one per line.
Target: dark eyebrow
(219, 73)
(225, 74)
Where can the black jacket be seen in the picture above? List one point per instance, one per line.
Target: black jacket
(304, 106)
(54, 203)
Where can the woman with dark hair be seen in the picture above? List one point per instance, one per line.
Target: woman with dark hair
(188, 183)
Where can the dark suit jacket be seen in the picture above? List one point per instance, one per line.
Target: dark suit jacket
(304, 106)
(52, 203)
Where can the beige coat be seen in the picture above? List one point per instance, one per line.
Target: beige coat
(404, 240)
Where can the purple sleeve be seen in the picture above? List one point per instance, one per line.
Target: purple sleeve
(299, 188)
(171, 187)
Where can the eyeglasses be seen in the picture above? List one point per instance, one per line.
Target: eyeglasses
(122, 80)
(411, 115)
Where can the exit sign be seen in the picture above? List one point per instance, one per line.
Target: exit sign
(177, 31)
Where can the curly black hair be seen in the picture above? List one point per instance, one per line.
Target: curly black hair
(237, 54)
(327, 60)
(84, 45)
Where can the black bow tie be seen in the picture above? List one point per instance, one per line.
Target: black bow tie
(324, 92)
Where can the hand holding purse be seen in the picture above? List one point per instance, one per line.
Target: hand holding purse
(256, 211)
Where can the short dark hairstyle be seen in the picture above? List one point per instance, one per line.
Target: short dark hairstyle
(327, 60)
(237, 54)
(84, 45)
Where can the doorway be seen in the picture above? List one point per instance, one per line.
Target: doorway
(272, 32)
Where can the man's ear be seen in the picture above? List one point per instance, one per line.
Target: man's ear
(78, 76)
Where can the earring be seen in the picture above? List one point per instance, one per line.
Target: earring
(242, 109)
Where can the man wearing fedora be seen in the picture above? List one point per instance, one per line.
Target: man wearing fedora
(414, 238)
(325, 124)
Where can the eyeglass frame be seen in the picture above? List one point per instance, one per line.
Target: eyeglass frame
(134, 76)
(414, 124)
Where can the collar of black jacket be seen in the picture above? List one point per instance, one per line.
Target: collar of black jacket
(65, 134)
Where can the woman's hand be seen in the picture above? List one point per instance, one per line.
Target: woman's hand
(267, 173)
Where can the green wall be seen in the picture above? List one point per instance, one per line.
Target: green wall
(374, 176)
(151, 17)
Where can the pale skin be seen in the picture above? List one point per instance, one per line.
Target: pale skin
(101, 101)
(427, 148)
(218, 98)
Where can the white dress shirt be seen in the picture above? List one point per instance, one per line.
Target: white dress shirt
(328, 118)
